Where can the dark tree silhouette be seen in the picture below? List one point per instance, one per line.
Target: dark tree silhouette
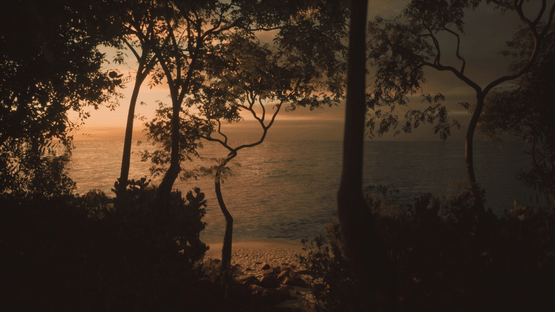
(141, 30)
(401, 48)
(365, 250)
(243, 75)
(306, 31)
(525, 111)
(50, 65)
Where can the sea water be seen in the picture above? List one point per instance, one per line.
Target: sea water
(287, 189)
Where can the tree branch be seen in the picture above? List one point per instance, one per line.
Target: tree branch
(456, 72)
(457, 51)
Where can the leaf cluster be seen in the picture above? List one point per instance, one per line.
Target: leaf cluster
(398, 50)
(525, 111)
(448, 259)
(49, 66)
(34, 169)
(74, 253)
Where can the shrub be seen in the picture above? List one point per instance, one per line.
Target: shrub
(448, 257)
(79, 254)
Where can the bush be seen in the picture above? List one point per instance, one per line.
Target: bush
(448, 257)
(80, 254)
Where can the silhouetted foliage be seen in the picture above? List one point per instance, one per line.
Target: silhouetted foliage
(220, 69)
(50, 65)
(446, 259)
(78, 253)
(34, 169)
(402, 47)
(525, 111)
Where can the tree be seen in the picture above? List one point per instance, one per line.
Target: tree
(243, 74)
(194, 29)
(141, 32)
(525, 111)
(400, 49)
(49, 66)
(249, 76)
(364, 248)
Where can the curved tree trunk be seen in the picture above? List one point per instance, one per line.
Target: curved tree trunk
(165, 188)
(228, 236)
(469, 152)
(376, 282)
(126, 158)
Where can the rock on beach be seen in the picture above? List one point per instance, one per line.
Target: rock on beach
(251, 255)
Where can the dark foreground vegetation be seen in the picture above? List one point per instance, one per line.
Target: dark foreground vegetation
(448, 256)
(78, 253)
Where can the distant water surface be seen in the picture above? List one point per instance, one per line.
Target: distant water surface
(287, 189)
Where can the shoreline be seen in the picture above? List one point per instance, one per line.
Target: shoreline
(250, 255)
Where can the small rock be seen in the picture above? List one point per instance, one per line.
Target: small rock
(256, 289)
(297, 281)
(270, 281)
(265, 267)
(283, 274)
(272, 271)
(302, 272)
(272, 295)
(286, 290)
(249, 280)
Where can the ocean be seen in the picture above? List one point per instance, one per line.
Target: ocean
(287, 189)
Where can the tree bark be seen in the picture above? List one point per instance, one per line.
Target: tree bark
(228, 236)
(366, 253)
(165, 188)
(469, 152)
(126, 158)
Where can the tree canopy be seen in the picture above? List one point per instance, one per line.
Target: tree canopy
(525, 111)
(50, 65)
(399, 50)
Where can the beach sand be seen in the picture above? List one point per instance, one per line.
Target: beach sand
(251, 255)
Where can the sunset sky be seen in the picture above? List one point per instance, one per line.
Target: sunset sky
(485, 31)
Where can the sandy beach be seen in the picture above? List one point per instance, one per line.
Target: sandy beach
(251, 255)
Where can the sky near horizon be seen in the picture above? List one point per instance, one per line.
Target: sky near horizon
(485, 31)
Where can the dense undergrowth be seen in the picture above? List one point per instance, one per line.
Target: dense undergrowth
(449, 256)
(72, 253)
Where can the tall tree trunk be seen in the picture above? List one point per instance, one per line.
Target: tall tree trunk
(469, 152)
(370, 264)
(228, 236)
(126, 158)
(165, 188)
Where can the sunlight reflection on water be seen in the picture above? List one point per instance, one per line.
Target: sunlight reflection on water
(287, 189)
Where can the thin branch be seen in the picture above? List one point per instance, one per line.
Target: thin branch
(263, 109)
(540, 14)
(132, 49)
(535, 52)
(265, 128)
(457, 51)
(456, 72)
(436, 44)
(220, 130)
